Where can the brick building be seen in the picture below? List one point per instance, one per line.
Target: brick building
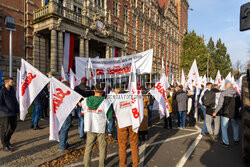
(100, 27)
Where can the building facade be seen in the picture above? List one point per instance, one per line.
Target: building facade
(105, 28)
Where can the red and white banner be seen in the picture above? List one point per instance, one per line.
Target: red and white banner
(73, 80)
(91, 80)
(137, 99)
(63, 76)
(68, 51)
(115, 66)
(160, 95)
(114, 52)
(32, 81)
(62, 101)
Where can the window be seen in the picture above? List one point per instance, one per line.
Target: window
(46, 2)
(75, 8)
(126, 15)
(115, 8)
(115, 27)
(60, 2)
(79, 11)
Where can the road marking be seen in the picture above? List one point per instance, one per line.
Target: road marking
(189, 151)
(142, 150)
(172, 138)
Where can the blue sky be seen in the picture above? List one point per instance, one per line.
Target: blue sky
(220, 19)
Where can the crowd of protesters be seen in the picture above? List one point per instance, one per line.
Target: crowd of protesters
(187, 105)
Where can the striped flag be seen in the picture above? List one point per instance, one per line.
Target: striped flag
(68, 51)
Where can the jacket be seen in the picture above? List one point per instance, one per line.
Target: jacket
(228, 104)
(83, 90)
(39, 99)
(8, 102)
(181, 99)
(210, 95)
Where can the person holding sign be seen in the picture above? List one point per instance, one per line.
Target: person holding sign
(97, 111)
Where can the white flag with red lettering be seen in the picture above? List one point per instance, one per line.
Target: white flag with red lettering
(160, 95)
(137, 99)
(73, 80)
(218, 78)
(62, 101)
(63, 76)
(32, 81)
(91, 80)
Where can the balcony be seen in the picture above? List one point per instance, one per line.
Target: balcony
(54, 9)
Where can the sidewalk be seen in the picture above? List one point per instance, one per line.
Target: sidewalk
(32, 147)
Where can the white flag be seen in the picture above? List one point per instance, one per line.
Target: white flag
(32, 82)
(137, 99)
(182, 78)
(218, 78)
(160, 95)
(90, 74)
(238, 85)
(17, 84)
(228, 78)
(193, 76)
(63, 76)
(172, 80)
(62, 102)
(73, 80)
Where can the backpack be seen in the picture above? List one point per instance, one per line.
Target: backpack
(208, 99)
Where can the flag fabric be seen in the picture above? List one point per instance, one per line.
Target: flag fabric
(90, 74)
(114, 52)
(211, 80)
(73, 80)
(17, 84)
(218, 78)
(193, 76)
(63, 76)
(182, 78)
(68, 51)
(62, 102)
(137, 99)
(172, 80)
(238, 85)
(160, 95)
(32, 81)
(228, 78)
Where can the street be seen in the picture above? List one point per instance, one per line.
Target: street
(185, 147)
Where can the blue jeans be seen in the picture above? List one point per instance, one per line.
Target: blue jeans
(224, 126)
(80, 122)
(182, 116)
(204, 128)
(150, 107)
(63, 138)
(110, 125)
(37, 112)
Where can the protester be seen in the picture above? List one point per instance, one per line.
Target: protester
(229, 104)
(150, 106)
(208, 101)
(96, 111)
(63, 138)
(45, 103)
(181, 99)
(85, 91)
(123, 109)
(168, 120)
(143, 129)
(8, 112)
(191, 108)
(37, 110)
(203, 109)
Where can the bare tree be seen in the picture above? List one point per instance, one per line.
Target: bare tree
(237, 66)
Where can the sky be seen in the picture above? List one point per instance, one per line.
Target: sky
(220, 19)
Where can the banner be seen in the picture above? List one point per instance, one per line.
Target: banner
(115, 66)
(68, 51)
(160, 95)
(62, 101)
(137, 99)
(32, 81)
(73, 80)
(63, 76)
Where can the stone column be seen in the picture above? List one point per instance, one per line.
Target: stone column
(81, 47)
(107, 51)
(53, 52)
(36, 46)
(42, 56)
(123, 53)
(60, 50)
(110, 52)
(47, 64)
(86, 47)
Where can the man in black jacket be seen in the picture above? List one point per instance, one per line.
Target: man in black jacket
(181, 99)
(85, 91)
(8, 112)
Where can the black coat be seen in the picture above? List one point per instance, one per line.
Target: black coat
(8, 102)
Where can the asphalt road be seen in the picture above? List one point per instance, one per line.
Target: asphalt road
(175, 147)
